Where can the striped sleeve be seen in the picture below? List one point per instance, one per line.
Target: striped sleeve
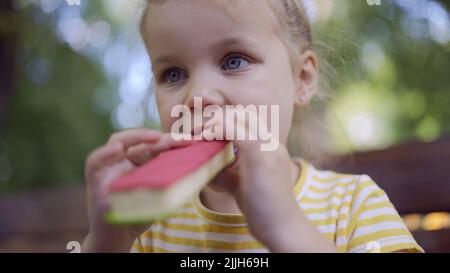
(137, 246)
(375, 225)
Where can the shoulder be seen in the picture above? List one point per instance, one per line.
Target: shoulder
(366, 220)
(341, 195)
(355, 187)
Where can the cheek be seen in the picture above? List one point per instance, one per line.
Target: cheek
(166, 122)
(164, 109)
(263, 86)
(269, 91)
(286, 115)
(280, 89)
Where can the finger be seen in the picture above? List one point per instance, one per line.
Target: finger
(104, 156)
(235, 125)
(100, 194)
(120, 169)
(135, 136)
(245, 128)
(178, 140)
(171, 141)
(139, 154)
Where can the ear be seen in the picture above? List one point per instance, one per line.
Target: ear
(306, 78)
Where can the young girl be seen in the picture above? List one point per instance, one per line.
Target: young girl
(241, 52)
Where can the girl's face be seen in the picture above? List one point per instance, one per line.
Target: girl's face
(197, 50)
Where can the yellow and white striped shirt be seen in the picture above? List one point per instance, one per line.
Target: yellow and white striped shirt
(350, 210)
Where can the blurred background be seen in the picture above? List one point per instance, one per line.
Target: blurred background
(70, 75)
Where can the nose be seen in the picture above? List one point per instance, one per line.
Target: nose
(204, 86)
(203, 90)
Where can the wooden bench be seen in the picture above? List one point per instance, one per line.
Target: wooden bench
(44, 220)
(416, 176)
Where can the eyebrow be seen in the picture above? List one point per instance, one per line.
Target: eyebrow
(231, 41)
(222, 43)
(163, 59)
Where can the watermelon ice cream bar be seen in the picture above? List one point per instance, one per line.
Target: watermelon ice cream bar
(167, 182)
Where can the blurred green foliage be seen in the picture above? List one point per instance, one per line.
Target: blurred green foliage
(52, 122)
(387, 68)
(389, 87)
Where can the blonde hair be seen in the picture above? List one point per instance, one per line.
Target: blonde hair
(307, 137)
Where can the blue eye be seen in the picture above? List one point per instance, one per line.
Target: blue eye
(174, 75)
(235, 63)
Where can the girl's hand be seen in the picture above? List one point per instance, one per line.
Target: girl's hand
(265, 195)
(123, 152)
